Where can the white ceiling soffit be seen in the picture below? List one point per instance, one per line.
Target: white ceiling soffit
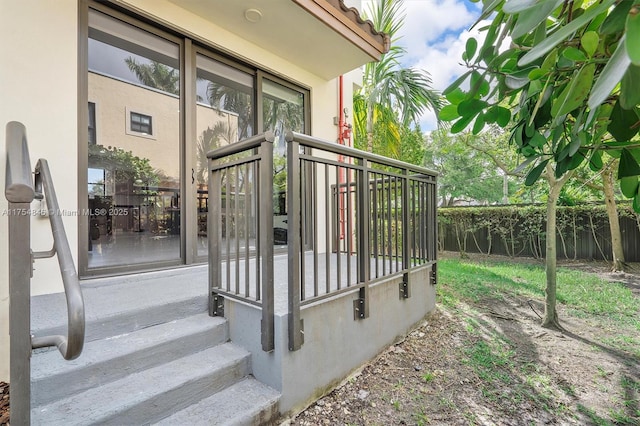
(322, 36)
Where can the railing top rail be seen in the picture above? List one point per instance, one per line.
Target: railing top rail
(19, 180)
(314, 142)
(238, 147)
(70, 346)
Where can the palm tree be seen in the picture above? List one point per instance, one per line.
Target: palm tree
(391, 95)
(156, 75)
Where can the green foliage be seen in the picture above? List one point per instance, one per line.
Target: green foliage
(517, 230)
(464, 174)
(128, 166)
(403, 143)
(571, 77)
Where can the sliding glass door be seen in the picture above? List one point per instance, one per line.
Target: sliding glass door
(156, 103)
(133, 148)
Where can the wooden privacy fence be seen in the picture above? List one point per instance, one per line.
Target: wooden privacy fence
(582, 232)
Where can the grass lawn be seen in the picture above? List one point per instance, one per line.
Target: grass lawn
(482, 358)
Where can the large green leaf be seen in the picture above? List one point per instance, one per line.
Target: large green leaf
(503, 116)
(628, 165)
(478, 125)
(574, 54)
(461, 124)
(535, 173)
(595, 162)
(630, 88)
(636, 202)
(449, 113)
(470, 48)
(632, 43)
(615, 21)
(629, 186)
(589, 42)
(575, 92)
(517, 6)
(623, 124)
(563, 33)
(610, 75)
(456, 96)
(532, 17)
(471, 107)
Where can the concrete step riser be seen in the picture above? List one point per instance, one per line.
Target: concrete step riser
(150, 395)
(155, 409)
(131, 321)
(49, 388)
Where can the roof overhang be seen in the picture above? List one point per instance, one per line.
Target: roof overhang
(324, 37)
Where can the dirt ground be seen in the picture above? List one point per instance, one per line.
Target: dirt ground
(435, 375)
(432, 376)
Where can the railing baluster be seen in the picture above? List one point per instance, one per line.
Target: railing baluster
(349, 224)
(314, 231)
(236, 225)
(374, 210)
(247, 198)
(293, 224)
(339, 227)
(266, 227)
(328, 224)
(227, 226)
(303, 226)
(258, 220)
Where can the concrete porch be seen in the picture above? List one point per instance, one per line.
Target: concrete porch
(140, 326)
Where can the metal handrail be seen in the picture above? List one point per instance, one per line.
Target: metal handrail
(20, 189)
(314, 142)
(71, 346)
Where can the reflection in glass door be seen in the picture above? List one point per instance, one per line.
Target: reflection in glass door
(224, 115)
(133, 146)
(282, 111)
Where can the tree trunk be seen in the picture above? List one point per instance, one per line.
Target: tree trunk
(550, 319)
(614, 222)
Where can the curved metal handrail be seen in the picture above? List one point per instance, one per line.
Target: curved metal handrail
(70, 346)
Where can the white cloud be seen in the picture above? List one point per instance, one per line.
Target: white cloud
(428, 20)
(435, 33)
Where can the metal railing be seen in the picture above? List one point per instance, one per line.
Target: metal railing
(20, 191)
(366, 217)
(352, 219)
(240, 223)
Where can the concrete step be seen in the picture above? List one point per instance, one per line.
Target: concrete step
(150, 395)
(247, 402)
(110, 359)
(117, 305)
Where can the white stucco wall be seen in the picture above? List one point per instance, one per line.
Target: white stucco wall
(38, 87)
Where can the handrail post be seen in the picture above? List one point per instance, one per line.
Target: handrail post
(265, 195)
(361, 305)
(293, 241)
(214, 235)
(19, 192)
(405, 291)
(20, 270)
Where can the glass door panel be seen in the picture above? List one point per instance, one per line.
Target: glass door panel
(283, 110)
(133, 146)
(224, 115)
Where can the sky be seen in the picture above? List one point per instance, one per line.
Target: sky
(435, 33)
